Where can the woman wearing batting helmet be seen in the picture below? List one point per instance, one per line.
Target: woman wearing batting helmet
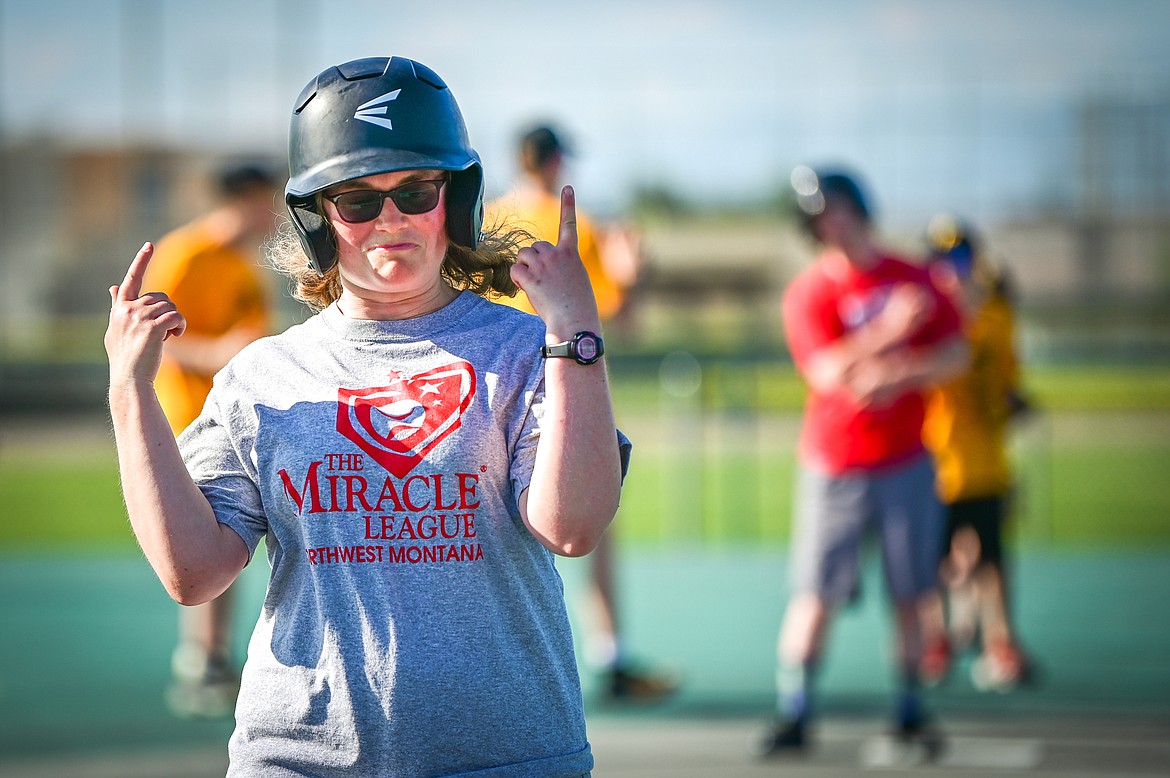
(413, 456)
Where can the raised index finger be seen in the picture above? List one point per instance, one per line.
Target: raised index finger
(131, 286)
(568, 232)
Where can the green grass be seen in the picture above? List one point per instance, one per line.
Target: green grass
(683, 499)
(1075, 495)
(71, 505)
(1100, 388)
(776, 386)
(1110, 496)
(1102, 481)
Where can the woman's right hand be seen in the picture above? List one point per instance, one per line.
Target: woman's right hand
(194, 556)
(139, 324)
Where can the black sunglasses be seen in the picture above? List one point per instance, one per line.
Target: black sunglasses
(364, 205)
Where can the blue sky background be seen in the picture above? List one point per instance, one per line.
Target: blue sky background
(965, 106)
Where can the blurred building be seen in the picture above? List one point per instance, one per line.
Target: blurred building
(1091, 270)
(1092, 273)
(1095, 277)
(71, 220)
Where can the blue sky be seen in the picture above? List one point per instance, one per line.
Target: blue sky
(967, 106)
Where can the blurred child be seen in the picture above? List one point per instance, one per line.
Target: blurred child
(612, 257)
(210, 269)
(965, 428)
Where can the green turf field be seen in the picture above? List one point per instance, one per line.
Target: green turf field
(716, 466)
(702, 569)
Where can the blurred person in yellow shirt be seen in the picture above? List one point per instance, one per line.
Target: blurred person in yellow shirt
(966, 429)
(611, 255)
(209, 268)
(612, 259)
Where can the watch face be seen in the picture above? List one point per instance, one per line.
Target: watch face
(587, 349)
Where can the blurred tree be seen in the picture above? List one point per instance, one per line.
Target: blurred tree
(658, 201)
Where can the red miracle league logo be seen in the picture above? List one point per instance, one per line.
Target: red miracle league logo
(399, 423)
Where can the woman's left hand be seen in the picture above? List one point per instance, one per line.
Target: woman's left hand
(555, 279)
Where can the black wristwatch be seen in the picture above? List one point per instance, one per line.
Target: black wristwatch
(586, 348)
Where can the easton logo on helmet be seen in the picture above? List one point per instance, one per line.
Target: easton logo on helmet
(374, 110)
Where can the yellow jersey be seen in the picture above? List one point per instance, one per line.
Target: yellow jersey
(967, 418)
(216, 287)
(539, 214)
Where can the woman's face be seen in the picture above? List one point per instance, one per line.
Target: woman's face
(396, 257)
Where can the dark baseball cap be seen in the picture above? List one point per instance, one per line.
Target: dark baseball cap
(234, 180)
(540, 144)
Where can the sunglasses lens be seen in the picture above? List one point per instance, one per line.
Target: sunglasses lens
(364, 205)
(357, 207)
(416, 198)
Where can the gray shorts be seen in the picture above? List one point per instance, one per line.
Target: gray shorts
(834, 513)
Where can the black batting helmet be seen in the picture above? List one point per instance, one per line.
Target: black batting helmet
(812, 187)
(372, 116)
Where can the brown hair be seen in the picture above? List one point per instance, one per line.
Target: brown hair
(484, 270)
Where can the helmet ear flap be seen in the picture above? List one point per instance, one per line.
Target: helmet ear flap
(465, 206)
(317, 238)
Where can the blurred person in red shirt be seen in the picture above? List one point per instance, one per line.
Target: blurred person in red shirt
(868, 333)
(612, 257)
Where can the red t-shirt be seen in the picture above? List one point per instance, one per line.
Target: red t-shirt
(820, 306)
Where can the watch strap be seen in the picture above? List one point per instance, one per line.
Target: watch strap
(564, 349)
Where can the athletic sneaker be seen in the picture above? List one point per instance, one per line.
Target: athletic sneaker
(783, 737)
(914, 730)
(203, 687)
(1000, 668)
(626, 683)
(935, 664)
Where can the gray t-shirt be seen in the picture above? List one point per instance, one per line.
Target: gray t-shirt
(412, 625)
